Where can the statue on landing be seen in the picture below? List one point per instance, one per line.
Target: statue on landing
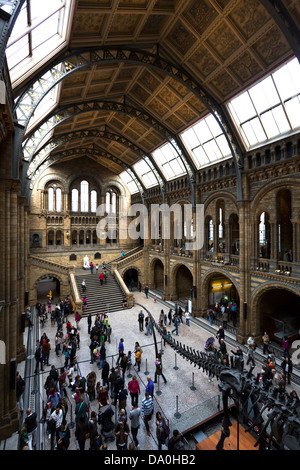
(86, 262)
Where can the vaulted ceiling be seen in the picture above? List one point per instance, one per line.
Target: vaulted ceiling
(225, 45)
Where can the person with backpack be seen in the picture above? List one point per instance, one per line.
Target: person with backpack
(176, 441)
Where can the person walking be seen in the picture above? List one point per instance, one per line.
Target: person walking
(101, 278)
(176, 321)
(221, 333)
(138, 357)
(31, 426)
(20, 388)
(134, 417)
(160, 426)
(134, 390)
(121, 433)
(240, 358)
(105, 374)
(266, 341)
(82, 431)
(150, 386)
(120, 350)
(146, 290)
(250, 355)
(141, 320)
(39, 359)
(287, 369)
(158, 369)
(147, 410)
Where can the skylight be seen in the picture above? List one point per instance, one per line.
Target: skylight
(206, 142)
(169, 162)
(40, 31)
(269, 109)
(129, 180)
(146, 174)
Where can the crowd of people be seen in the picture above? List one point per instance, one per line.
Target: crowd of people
(274, 372)
(110, 408)
(102, 412)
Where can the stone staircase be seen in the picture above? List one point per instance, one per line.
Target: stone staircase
(100, 299)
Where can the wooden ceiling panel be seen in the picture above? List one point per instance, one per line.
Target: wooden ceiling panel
(200, 14)
(223, 41)
(249, 16)
(181, 39)
(272, 46)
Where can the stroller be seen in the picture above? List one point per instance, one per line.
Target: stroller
(209, 344)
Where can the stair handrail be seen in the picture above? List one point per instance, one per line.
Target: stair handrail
(75, 293)
(120, 281)
(116, 263)
(128, 254)
(50, 263)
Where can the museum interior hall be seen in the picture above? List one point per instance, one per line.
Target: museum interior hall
(156, 141)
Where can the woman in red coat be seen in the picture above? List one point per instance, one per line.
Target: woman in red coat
(134, 389)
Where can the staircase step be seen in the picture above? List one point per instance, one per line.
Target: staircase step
(107, 297)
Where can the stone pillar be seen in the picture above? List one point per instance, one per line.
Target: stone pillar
(21, 277)
(247, 325)
(9, 301)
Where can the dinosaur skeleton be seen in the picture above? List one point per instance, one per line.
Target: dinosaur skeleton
(251, 400)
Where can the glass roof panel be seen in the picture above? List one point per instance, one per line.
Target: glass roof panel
(42, 29)
(169, 161)
(275, 104)
(208, 142)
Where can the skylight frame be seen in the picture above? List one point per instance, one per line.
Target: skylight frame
(48, 48)
(206, 142)
(258, 128)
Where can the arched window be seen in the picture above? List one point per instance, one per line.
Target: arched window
(93, 201)
(211, 235)
(74, 201)
(114, 203)
(264, 235)
(84, 196)
(111, 202)
(107, 202)
(58, 200)
(262, 229)
(50, 199)
(220, 223)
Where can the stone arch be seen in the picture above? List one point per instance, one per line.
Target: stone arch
(93, 183)
(257, 295)
(182, 281)
(219, 195)
(41, 273)
(45, 180)
(48, 274)
(128, 275)
(205, 281)
(273, 185)
(156, 273)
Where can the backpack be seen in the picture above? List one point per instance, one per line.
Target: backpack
(179, 445)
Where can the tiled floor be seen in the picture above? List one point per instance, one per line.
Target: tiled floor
(187, 387)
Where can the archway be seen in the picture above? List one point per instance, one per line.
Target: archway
(46, 284)
(278, 310)
(158, 274)
(131, 278)
(219, 287)
(183, 282)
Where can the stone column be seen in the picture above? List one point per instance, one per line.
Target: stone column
(247, 325)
